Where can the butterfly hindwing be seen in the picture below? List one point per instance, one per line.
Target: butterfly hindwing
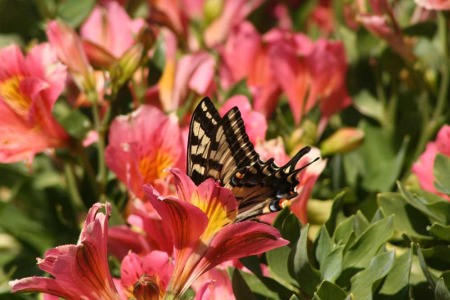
(219, 148)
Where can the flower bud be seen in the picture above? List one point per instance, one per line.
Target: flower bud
(342, 141)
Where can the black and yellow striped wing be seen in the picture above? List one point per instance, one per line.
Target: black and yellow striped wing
(219, 148)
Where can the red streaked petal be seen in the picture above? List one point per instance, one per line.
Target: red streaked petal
(184, 185)
(242, 239)
(186, 222)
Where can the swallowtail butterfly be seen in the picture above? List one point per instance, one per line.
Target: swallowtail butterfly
(219, 148)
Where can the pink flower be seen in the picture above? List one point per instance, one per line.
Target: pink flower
(381, 22)
(310, 73)
(79, 271)
(146, 277)
(245, 56)
(203, 232)
(215, 19)
(233, 13)
(147, 232)
(69, 48)
(307, 180)
(141, 146)
(29, 88)
(190, 73)
(255, 122)
(423, 168)
(111, 28)
(214, 284)
(434, 4)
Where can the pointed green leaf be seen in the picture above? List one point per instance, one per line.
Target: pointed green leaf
(335, 210)
(440, 231)
(436, 208)
(329, 291)
(265, 287)
(288, 225)
(407, 219)
(441, 292)
(383, 159)
(441, 171)
(324, 245)
(366, 281)
(398, 278)
(240, 288)
(332, 265)
(277, 260)
(364, 248)
(308, 278)
(423, 265)
(344, 231)
(361, 223)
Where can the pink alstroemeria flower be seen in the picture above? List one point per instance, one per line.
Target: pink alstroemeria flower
(110, 28)
(216, 20)
(193, 72)
(146, 232)
(434, 4)
(69, 48)
(310, 73)
(423, 168)
(141, 146)
(147, 277)
(245, 56)
(203, 231)
(79, 271)
(29, 88)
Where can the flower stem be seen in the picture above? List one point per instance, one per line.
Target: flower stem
(78, 204)
(99, 126)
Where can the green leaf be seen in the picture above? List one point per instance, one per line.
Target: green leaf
(253, 264)
(440, 231)
(383, 160)
(20, 226)
(73, 120)
(398, 278)
(74, 12)
(332, 266)
(307, 277)
(423, 265)
(277, 261)
(407, 219)
(436, 208)
(240, 288)
(441, 292)
(344, 231)
(268, 288)
(366, 281)
(364, 248)
(438, 253)
(368, 105)
(335, 210)
(360, 223)
(324, 245)
(441, 171)
(288, 225)
(329, 291)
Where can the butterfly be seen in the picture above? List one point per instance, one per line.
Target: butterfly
(219, 148)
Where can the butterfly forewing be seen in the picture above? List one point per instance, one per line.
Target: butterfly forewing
(219, 148)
